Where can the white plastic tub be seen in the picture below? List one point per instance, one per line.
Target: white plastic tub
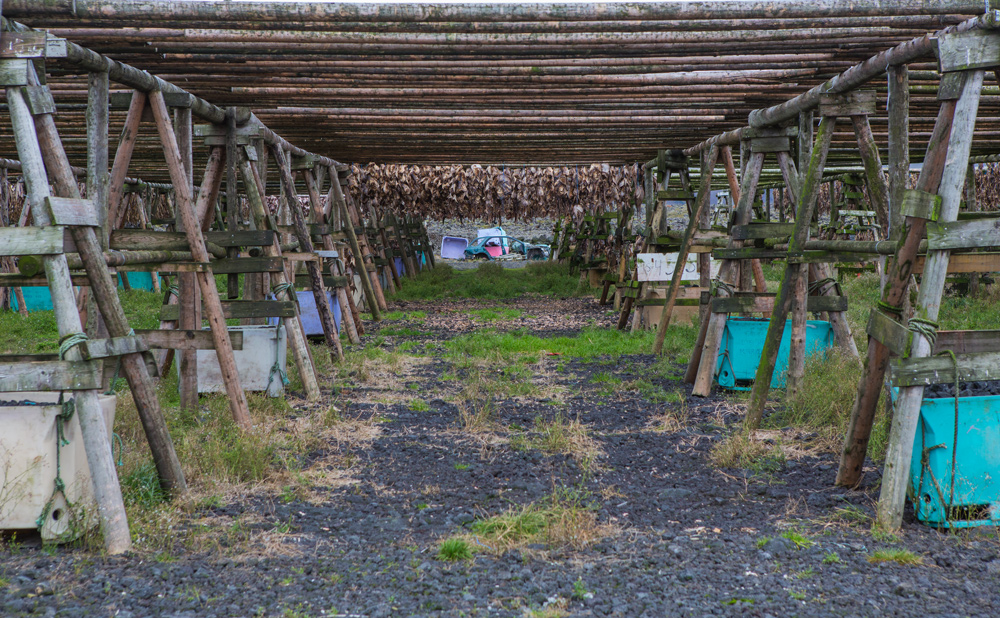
(262, 346)
(453, 247)
(28, 466)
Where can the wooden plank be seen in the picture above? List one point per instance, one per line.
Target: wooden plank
(113, 346)
(671, 195)
(921, 204)
(247, 265)
(186, 339)
(68, 211)
(962, 51)
(315, 229)
(50, 376)
(167, 267)
(941, 369)
(293, 256)
(890, 333)
(31, 240)
(965, 263)
(239, 309)
(13, 72)
(302, 280)
(770, 144)
(854, 103)
(755, 231)
(759, 304)
(21, 281)
(963, 234)
(747, 253)
(967, 341)
(827, 257)
(29, 44)
(241, 238)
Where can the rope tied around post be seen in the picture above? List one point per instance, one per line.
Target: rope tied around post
(927, 328)
(282, 287)
(69, 341)
(67, 409)
(818, 287)
(884, 306)
(719, 284)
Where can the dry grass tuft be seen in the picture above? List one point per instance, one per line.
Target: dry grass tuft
(562, 435)
(743, 451)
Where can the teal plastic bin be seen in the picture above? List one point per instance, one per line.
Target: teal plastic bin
(743, 342)
(36, 298)
(138, 280)
(974, 499)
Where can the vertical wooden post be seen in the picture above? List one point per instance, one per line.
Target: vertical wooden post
(306, 246)
(878, 188)
(206, 281)
(123, 156)
(97, 179)
(899, 144)
(700, 207)
(232, 198)
(110, 506)
(701, 367)
(352, 236)
(189, 297)
(782, 303)
(805, 138)
(896, 474)
(972, 205)
(797, 349)
(293, 326)
(912, 231)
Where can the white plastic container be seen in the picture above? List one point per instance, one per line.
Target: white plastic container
(262, 346)
(28, 466)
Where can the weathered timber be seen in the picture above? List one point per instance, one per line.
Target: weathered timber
(50, 376)
(762, 304)
(185, 339)
(240, 309)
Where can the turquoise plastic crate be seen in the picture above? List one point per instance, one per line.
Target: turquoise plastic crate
(38, 298)
(975, 498)
(743, 342)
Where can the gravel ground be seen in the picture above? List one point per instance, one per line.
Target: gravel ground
(683, 538)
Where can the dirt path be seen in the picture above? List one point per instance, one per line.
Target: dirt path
(609, 454)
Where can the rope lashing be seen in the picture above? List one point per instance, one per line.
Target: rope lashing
(118, 367)
(887, 307)
(174, 290)
(817, 287)
(719, 284)
(70, 340)
(67, 408)
(282, 287)
(927, 328)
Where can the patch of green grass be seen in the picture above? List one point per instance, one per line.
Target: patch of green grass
(580, 591)
(899, 556)
(454, 549)
(419, 405)
(490, 280)
(404, 331)
(603, 377)
(798, 596)
(141, 486)
(831, 558)
(762, 541)
(461, 466)
(567, 518)
(848, 514)
(561, 435)
(740, 451)
(800, 541)
(591, 343)
(496, 315)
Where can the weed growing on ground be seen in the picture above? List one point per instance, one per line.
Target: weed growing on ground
(419, 405)
(565, 519)
(496, 315)
(580, 591)
(454, 549)
(899, 556)
(739, 450)
(561, 435)
(831, 558)
(800, 541)
(824, 403)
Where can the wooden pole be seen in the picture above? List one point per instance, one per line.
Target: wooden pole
(189, 296)
(870, 386)
(701, 368)
(123, 156)
(878, 188)
(896, 474)
(206, 281)
(352, 237)
(105, 293)
(293, 325)
(110, 506)
(700, 207)
(782, 303)
(898, 104)
(97, 178)
(306, 246)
